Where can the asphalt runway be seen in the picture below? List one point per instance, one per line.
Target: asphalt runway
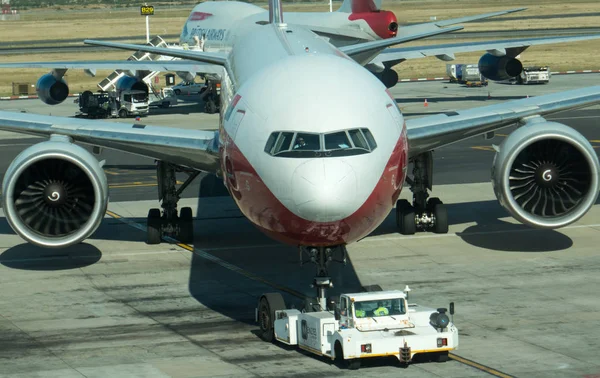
(526, 299)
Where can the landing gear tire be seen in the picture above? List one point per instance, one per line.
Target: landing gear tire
(438, 209)
(268, 304)
(210, 107)
(341, 363)
(441, 357)
(186, 225)
(153, 234)
(405, 217)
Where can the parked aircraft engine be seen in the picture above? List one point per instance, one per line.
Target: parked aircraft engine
(131, 83)
(499, 68)
(546, 174)
(55, 193)
(51, 90)
(388, 77)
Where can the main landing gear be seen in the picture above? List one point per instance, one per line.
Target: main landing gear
(170, 223)
(423, 214)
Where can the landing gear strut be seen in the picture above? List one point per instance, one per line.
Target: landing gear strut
(321, 257)
(423, 213)
(169, 223)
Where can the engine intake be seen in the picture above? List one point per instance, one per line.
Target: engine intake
(51, 90)
(546, 174)
(499, 68)
(55, 194)
(131, 83)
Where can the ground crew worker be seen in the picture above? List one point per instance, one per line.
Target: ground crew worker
(360, 313)
(381, 310)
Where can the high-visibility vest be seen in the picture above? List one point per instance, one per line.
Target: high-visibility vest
(361, 313)
(381, 311)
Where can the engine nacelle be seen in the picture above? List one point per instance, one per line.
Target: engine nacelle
(127, 83)
(51, 90)
(546, 174)
(388, 77)
(55, 193)
(499, 68)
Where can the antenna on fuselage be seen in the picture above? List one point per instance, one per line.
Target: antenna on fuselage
(276, 13)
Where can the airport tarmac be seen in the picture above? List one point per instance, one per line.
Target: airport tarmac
(526, 300)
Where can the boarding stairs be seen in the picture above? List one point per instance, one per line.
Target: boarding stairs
(110, 82)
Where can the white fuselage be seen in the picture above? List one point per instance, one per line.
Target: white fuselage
(223, 22)
(288, 80)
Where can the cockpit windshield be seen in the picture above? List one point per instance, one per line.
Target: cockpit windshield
(339, 143)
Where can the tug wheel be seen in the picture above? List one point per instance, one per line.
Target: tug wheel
(268, 304)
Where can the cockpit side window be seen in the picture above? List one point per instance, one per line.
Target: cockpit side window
(271, 142)
(283, 142)
(358, 139)
(336, 141)
(370, 138)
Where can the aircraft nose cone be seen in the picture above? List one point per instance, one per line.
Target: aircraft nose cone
(324, 190)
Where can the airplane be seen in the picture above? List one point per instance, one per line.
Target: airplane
(318, 179)
(355, 23)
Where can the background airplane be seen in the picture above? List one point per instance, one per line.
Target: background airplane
(356, 23)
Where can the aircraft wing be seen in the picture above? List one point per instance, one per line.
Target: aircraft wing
(453, 21)
(196, 149)
(513, 47)
(435, 131)
(365, 51)
(146, 65)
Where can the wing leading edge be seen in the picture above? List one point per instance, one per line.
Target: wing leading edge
(513, 47)
(197, 149)
(431, 132)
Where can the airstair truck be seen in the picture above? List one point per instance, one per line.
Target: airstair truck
(362, 325)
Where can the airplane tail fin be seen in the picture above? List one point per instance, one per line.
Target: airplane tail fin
(275, 12)
(360, 6)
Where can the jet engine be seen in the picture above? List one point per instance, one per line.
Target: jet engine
(51, 90)
(126, 83)
(499, 68)
(546, 174)
(388, 77)
(55, 193)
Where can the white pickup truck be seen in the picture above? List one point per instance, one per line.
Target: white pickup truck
(362, 325)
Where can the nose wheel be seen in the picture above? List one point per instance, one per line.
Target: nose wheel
(423, 214)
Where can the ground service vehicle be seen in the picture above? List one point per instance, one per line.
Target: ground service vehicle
(165, 99)
(467, 74)
(113, 104)
(362, 325)
(211, 95)
(534, 75)
(187, 88)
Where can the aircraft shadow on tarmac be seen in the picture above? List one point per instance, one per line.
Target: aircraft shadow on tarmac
(434, 100)
(30, 257)
(490, 232)
(265, 263)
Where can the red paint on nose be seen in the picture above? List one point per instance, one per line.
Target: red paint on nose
(383, 23)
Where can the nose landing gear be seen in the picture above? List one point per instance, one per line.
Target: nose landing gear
(423, 213)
